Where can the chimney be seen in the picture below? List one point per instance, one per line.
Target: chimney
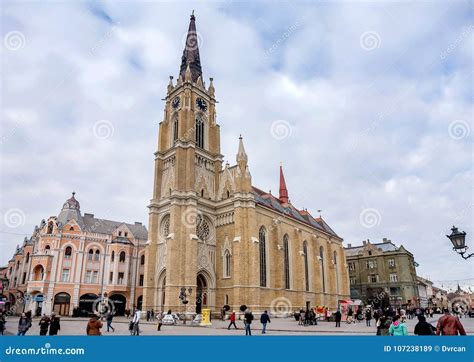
(86, 214)
(349, 245)
(364, 242)
(138, 223)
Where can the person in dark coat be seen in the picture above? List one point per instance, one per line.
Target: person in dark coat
(423, 328)
(338, 317)
(382, 326)
(2, 323)
(248, 318)
(109, 320)
(368, 317)
(54, 326)
(24, 323)
(264, 319)
(44, 325)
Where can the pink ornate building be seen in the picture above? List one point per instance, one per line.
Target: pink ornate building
(73, 258)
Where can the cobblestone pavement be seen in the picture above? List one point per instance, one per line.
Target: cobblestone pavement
(278, 326)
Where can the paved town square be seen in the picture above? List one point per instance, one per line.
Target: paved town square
(278, 326)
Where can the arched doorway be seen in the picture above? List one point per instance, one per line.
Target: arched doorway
(62, 302)
(37, 301)
(201, 293)
(139, 302)
(86, 304)
(119, 302)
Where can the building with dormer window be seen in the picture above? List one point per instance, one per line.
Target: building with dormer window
(383, 274)
(72, 259)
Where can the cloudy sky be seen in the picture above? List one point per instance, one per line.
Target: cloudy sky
(369, 106)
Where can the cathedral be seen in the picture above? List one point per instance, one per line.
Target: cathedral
(215, 239)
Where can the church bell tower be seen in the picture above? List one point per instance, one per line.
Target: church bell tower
(187, 166)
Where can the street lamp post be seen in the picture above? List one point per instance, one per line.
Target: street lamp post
(458, 239)
(183, 297)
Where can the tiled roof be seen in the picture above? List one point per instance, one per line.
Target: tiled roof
(388, 246)
(270, 201)
(102, 226)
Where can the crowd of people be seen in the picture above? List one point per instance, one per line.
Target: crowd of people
(392, 322)
(388, 322)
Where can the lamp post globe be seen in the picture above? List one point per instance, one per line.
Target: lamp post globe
(458, 239)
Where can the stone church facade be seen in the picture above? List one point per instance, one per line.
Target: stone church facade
(216, 236)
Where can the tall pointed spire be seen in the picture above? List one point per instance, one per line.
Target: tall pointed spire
(241, 155)
(283, 190)
(191, 52)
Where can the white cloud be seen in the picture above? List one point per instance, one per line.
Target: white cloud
(369, 129)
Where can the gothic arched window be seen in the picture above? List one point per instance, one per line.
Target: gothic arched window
(68, 252)
(323, 278)
(112, 257)
(306, 269)
(97, 255)
(227, 263)
(90, 255)
(286, 261)
(335, 268)
(263, 257)
(142, 259)
(199, 127)
(175, 129)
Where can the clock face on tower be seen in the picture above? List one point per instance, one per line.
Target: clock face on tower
(175, 102)
(201, 103)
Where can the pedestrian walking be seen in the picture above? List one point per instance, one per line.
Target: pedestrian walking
(54, 325)
(44, 325)
(2, 323)
(136, 322)
(159, 318)
(301, 317)
(449, 325)
(397, 328)
(368, 317)
(338, 317)
(232, 320)
(383, 326)
(24, 323)
(423, 328)
(248, 318)
(264, 319)
(152, 315)
(350, 315)
(93, 326)
(109, 319)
